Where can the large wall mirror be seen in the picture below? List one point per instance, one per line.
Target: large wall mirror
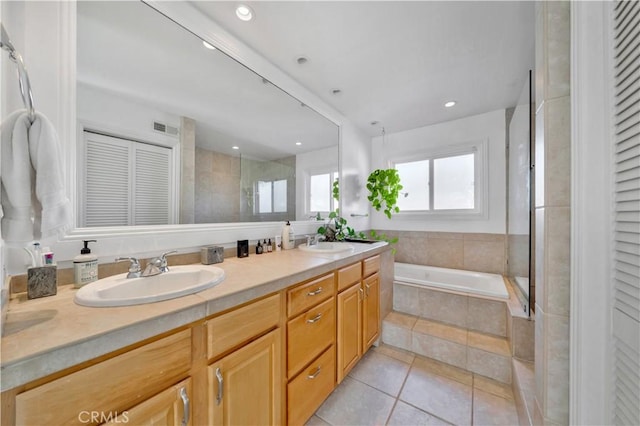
(173, 131)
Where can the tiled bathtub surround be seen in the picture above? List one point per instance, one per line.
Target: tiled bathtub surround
(471, 252)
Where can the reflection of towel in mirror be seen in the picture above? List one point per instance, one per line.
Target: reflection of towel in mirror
(34, 202)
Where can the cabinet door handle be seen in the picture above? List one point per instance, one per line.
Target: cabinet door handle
(315, 373)
(220, 386)
(315, 292)
(361, 291)
(368, 289)
(185, 406)
(315, 319)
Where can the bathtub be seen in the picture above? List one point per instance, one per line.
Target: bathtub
(467, 282)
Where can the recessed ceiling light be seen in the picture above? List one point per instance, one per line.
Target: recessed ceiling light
(373, 123)
(235, 147)
(244, 12)
(450, 104)
(301, 60)
(208, 46)
(336, 91)
(298, 143)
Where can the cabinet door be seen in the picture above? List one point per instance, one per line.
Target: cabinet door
(349, 329)
(371, 310)
(245, 387)
(168, 408)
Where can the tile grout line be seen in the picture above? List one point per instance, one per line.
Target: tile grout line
(395, 403)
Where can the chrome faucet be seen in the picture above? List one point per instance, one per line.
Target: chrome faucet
(134, 266)
(313, 240)
(157, 265)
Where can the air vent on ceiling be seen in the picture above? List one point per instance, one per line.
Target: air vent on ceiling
(166, 129)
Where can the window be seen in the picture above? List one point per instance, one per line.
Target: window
(272, 196)
(450, 182)
(321, 192)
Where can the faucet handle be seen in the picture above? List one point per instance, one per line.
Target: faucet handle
(134, 266)
(163, 260)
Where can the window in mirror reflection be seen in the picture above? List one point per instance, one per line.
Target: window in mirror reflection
(320, 192)
(272, 196)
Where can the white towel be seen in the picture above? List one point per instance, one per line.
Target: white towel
(34, 202)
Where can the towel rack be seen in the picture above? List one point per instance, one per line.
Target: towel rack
(23, 77)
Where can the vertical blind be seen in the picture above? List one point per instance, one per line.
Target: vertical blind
(626, 280)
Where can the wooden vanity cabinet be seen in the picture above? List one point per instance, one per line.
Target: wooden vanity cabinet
(311, 336)
(358, 309)
(245, 379)
(105, 390)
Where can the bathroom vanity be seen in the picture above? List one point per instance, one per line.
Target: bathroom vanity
(266, 346)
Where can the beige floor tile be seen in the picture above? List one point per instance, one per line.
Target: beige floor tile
(443, 331)
(381, 372)
(488, 364)
(400, 319)
(493, 387)
(438, 395)
(354, 403)
(492, 410)
(393, 352)
(488, 343)
(316, 421)
(404, 414)
(442, 369)
(442, 350)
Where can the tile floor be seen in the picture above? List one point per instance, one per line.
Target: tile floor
(393, 387)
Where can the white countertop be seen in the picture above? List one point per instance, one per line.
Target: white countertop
(43, 336)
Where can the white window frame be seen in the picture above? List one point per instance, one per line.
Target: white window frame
(333, 203)
(257, 196)
(481, 181)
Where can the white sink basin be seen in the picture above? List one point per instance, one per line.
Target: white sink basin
(326, 247)
(118, 290)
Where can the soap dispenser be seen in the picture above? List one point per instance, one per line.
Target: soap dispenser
(85, 266)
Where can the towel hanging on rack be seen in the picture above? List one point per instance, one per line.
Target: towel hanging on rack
(23, 76)
(34, 201)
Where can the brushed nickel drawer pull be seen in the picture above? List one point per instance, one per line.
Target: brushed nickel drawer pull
(185, 406)
(361, 291)
(315, 292)
(315, 319)
(315, 373)
(368, 289)
(220, 386)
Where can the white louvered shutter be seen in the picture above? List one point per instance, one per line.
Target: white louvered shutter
(152, 167)
(126, 182)
(107, 183)
(626, 283)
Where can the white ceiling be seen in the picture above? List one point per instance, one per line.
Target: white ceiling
(395, 62)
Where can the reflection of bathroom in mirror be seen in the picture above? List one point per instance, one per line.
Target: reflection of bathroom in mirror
(520, 180)
(171, 130)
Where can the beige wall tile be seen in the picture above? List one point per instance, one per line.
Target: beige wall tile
(445, 253)
(405, 299)
(493, 387)
(539, 355)
(539, 176)
(443, 307)
(484, 256)
(557, 267)
(445, 235)
(556, 373)
(412, 250)
(557, 16)
(439, 349)
(498, 238)
(496, 345)
(488, 364)
(443, 369)
(487, 316)
(442, 331)
(523, 339)
(540, 250)
(557, 151)
(396, 330)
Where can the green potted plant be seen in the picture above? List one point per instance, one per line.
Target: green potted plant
(384, 187)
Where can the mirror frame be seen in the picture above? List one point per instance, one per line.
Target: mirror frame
(151, 239)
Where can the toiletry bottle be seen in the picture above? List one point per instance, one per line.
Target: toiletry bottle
(259, 248)
(292, 238)
(269, 246)
(85, 266)
(286, 230)
(37, 254)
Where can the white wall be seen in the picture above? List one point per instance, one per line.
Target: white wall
(489, 127)
(355, 160)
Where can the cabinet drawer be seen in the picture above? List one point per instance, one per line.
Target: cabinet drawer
(310, 388)
(309, 334)
(348, 276)
(310, 294)
(240, 325)
(370, 265)
(111, 386)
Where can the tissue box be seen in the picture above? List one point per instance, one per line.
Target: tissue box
(243, 248)
(42, 281)
(211, 254)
